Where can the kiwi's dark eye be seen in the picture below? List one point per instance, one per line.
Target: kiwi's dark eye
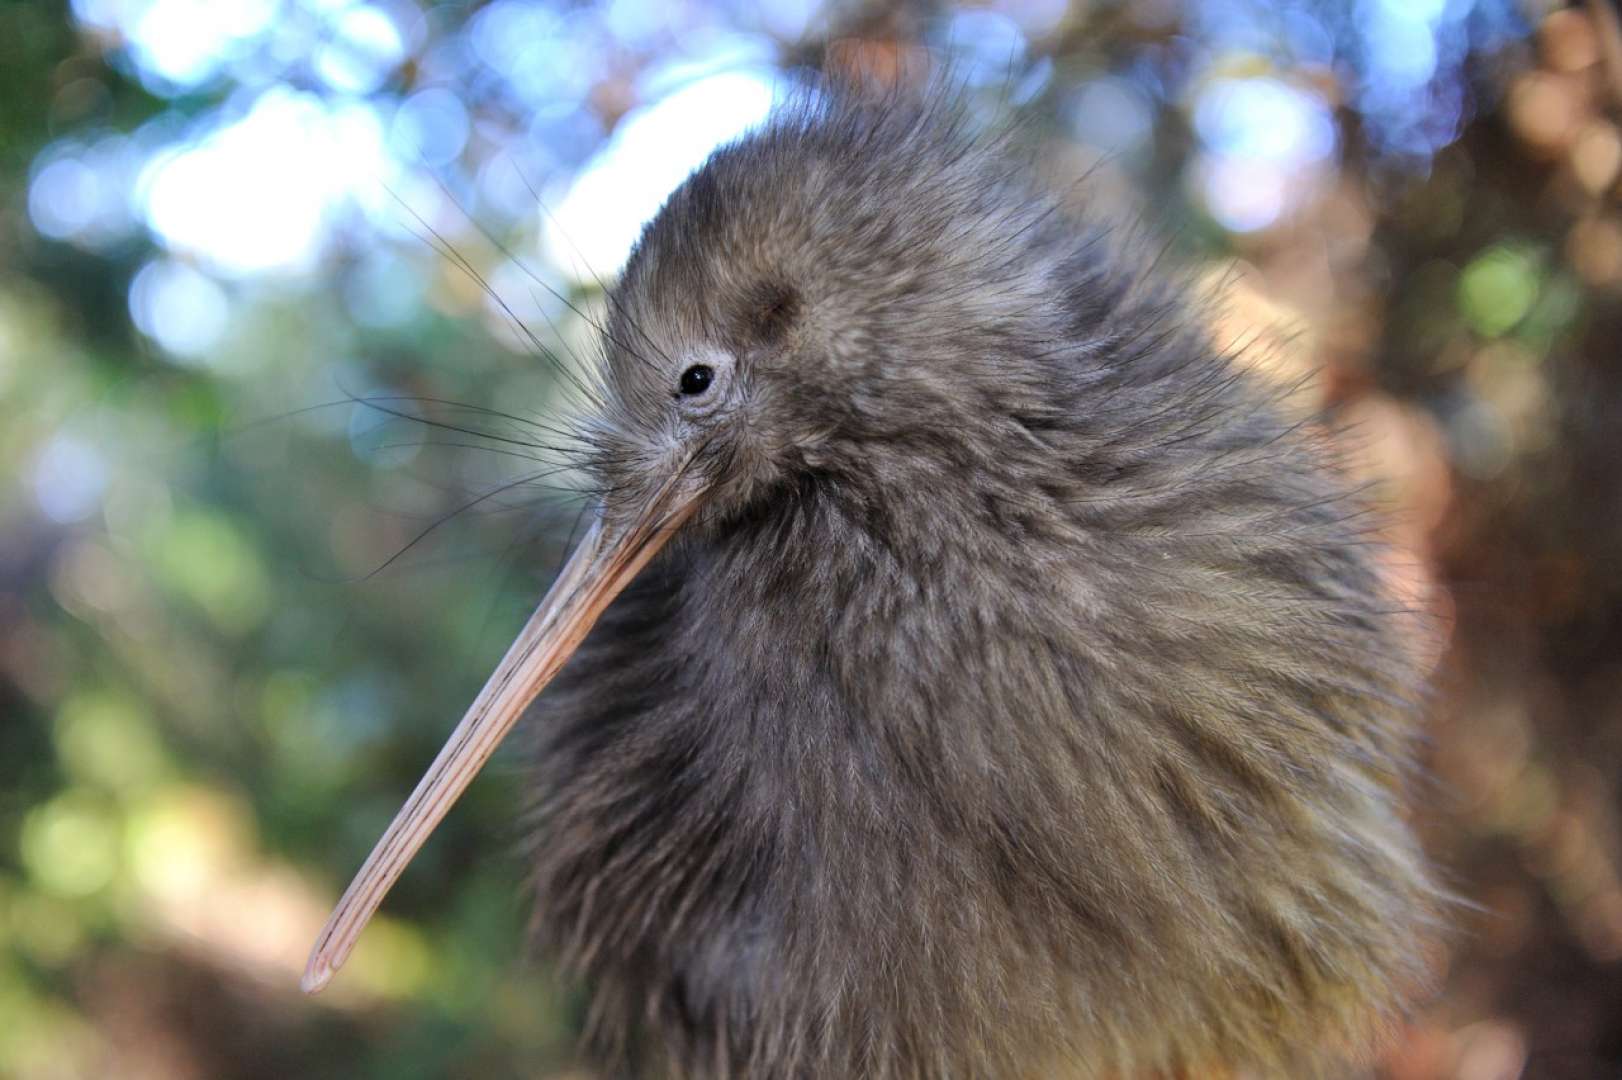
(697, 379)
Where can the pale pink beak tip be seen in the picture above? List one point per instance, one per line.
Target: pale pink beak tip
(316, 977)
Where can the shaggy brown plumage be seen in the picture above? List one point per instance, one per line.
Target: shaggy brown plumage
(1021, 701)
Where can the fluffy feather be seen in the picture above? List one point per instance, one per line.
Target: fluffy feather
(1024, 703)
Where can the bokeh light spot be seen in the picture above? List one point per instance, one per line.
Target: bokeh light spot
(69, 477)
(1112, 115)
(431, 127)
(365, 47)
(70, 844)
(652, 151)
(987, 47)
(1264, 139)
(1243, 195)
(180, 43)
(1497, 289)
(1264, 119)
(184, 839)
(208, 560)
(260, 194)
(108, 739)
(181, 309)
(65, 198)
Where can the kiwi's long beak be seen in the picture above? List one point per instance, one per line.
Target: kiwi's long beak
(605, 562)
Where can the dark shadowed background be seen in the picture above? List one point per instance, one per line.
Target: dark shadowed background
(239, 608)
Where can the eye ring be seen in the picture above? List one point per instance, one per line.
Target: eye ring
(696, 379)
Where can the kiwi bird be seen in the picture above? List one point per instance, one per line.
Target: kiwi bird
(969, 671)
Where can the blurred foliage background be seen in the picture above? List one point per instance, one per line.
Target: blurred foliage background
(240, 606)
